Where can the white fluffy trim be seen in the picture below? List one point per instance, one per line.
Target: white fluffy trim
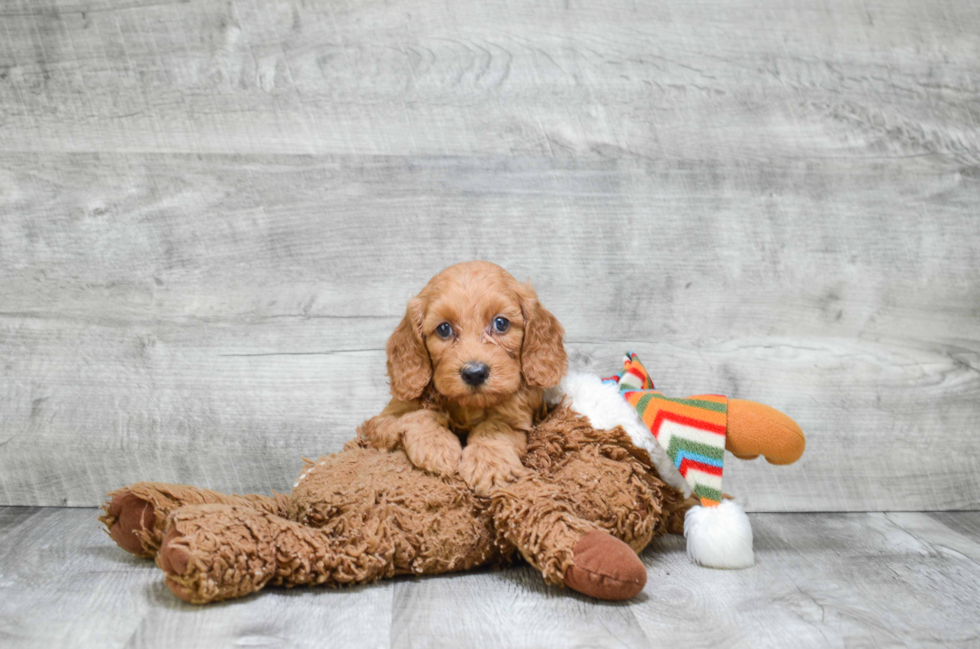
(606, 408)
(719, 537)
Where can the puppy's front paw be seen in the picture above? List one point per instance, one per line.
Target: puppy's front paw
(485, 468)
(437, 451)
(382, 432)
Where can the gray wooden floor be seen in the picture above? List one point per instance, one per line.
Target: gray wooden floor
(821, 580)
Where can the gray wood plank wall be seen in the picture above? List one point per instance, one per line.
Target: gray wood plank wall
(212, 214)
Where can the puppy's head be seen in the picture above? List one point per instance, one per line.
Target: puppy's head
(477, 335)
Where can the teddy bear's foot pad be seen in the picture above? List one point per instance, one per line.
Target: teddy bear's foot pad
(125, 516)
(605, 568)
(174, 559)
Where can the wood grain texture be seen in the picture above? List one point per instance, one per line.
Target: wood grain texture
(211, 216)
(699, 80)
(63, 583)
(820, 580)
(213, 320)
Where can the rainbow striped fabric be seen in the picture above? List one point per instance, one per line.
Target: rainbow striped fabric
(691, 431)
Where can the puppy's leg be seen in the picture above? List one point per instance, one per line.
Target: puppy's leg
(382, 432)
(429, 444)
(492, 457)
(386, 430)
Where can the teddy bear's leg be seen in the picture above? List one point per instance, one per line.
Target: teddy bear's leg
(582, 523)
(354, 517)
(135, 516)
(566, 548)
(216, 552)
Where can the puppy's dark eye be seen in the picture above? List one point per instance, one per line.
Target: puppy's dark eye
(501, 324)
(445, 330)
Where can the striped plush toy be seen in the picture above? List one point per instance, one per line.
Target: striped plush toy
(686, 440)
(691, 431)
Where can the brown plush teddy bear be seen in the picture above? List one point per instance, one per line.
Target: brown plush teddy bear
(364, 513)
(594, 498)
(576, 475)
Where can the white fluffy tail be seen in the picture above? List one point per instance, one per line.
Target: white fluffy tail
(719, 537)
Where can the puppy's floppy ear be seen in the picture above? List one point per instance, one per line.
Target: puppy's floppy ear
(409, 367)
(543, 359)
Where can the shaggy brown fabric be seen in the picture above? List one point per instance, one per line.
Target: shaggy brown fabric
(582, 480)
(136, 516)
(214, 552)
(379, 500)
(351, 520)
(365, 513)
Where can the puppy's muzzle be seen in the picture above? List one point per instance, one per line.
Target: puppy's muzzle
(475, 374)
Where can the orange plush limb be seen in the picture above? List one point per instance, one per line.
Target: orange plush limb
(755, 429)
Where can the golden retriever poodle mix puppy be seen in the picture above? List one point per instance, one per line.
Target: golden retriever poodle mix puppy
(468, 366)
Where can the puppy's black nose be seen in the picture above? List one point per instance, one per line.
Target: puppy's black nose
(475, 373)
